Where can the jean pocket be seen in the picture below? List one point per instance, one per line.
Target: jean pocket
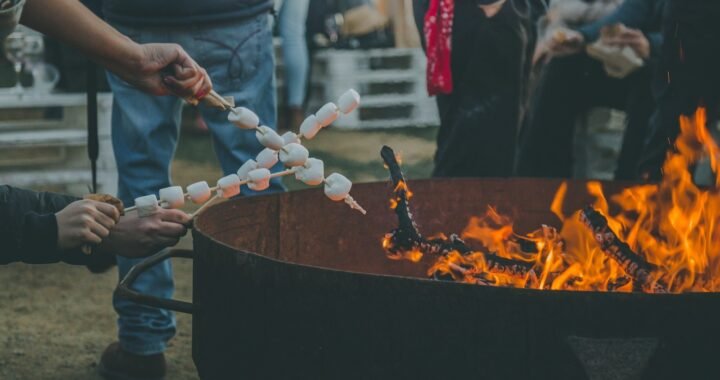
(234, 53)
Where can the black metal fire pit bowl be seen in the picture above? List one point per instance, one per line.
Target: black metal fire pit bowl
(293, 286)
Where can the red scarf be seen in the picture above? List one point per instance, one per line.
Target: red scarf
(438, 38)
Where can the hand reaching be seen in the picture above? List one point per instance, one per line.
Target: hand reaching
(134, 236)
(162, 69)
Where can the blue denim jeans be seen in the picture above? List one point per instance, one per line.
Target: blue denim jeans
(291, 24)
(145, 129)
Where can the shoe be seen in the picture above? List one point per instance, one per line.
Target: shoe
(118, 364)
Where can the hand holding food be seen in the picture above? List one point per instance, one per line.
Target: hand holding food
(85, 222)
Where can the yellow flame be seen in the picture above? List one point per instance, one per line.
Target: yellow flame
(672, 225)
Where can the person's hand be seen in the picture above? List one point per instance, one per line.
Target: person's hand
(85, 222)
(139, 237)
(624, 36)
(162, 69)
(564, 42)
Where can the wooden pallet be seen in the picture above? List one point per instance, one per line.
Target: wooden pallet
(390, 81)
(43, 140)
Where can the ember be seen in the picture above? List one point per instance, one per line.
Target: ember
(656, 238)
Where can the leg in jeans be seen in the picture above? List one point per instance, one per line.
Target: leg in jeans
(249, 78)
(292, 18)
(144, 135)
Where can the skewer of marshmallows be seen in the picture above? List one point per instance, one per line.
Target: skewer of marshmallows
(287, 149)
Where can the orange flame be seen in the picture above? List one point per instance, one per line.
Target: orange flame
(674, 226)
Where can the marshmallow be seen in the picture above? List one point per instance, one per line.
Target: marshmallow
(228, 186)
(246, 168)
(337, 187)
(199, 192)
(349, 101)
(294, 155)
(146, 205)
(259, 179)
(310, 127)
(312, 173)
(267, 158)
(244, 118)
(172, 197)
(290, 137)
(269, 138)
(327, 114)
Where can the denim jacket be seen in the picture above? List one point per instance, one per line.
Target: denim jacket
(646, 15)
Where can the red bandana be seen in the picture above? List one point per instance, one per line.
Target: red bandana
(438, 38)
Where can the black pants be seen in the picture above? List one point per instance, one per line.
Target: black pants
(688, 75)
(479, 120)
(568, 87)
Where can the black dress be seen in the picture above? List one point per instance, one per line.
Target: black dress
(491, 60)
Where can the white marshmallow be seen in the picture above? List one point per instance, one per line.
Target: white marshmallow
(337, 187)
(267, 158)
(246, 168)
(327, 114)
(172, 197)
(146, 205)
(290, 137)
(349, 101)
(228, 186)
(312, 173)
(294, 155)
(199, 192)
(269, 138)
(244, 118)
(259, 179)
(310, 127)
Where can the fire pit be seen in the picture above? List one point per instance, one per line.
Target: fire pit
(291, 286)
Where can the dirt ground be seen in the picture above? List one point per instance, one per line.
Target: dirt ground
(55, 320)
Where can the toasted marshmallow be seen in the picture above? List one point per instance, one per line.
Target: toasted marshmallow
(172, 197)
(199, 192)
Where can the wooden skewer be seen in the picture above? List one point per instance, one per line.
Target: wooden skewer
(204, 206)
(214, 188)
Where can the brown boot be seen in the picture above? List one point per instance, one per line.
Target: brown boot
(118, 364)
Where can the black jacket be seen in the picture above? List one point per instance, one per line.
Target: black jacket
(28, 228)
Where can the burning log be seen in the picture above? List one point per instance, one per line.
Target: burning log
(407, 237)
(633, 264)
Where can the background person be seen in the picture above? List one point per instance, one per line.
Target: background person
(292, 17)
(572, 82)
(478, 66)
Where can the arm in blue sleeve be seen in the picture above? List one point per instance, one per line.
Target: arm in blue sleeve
(632, 13)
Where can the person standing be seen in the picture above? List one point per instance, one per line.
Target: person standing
(232, 40)
(479, 54)
(572, 82)
(292, 17)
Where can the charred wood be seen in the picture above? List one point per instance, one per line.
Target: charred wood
(634, 265)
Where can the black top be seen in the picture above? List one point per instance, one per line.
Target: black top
(28, 227)
(181, 12)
